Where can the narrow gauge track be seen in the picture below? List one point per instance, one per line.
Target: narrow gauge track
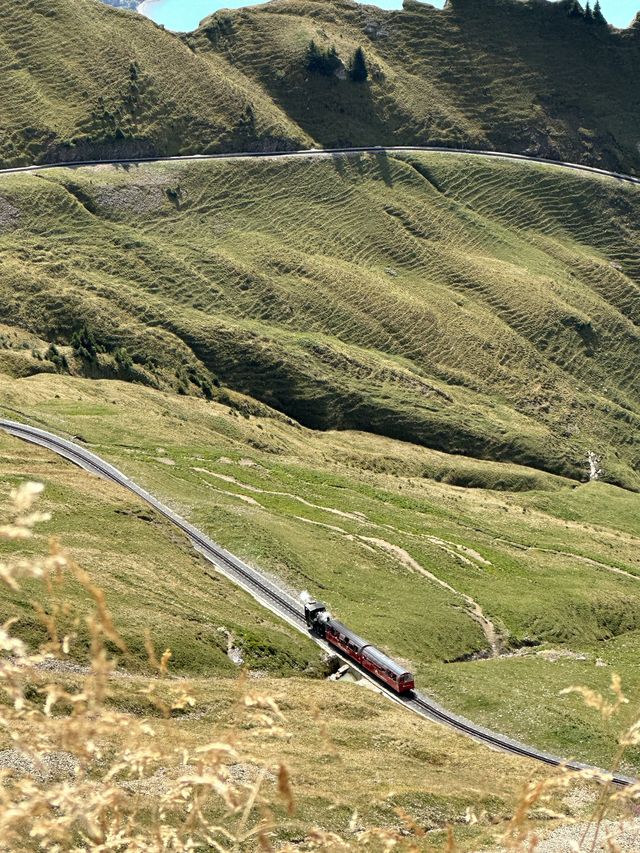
(280, 602)
(325, 152)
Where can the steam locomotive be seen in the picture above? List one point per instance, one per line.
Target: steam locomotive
(322, 624)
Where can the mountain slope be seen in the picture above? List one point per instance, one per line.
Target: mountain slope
(488, 309)
(79, 79)
(504, 74)
(82, 80)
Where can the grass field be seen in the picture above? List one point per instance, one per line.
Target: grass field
(81, 80)
(497, 599)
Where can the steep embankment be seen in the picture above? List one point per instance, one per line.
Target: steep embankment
(83, 80)
(488, 309)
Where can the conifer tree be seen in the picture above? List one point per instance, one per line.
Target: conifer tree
(588, 14)
(575, 10)
(598, 17)
(359, 71)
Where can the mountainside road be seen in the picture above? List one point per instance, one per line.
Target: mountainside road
(327, 152)
(270, 595)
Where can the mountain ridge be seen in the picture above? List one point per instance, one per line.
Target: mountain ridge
(111, 82)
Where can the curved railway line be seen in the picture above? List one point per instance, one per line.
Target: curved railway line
(278, 600)
(326, 152)
(256, 584)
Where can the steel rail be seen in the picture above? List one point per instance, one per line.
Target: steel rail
(283, 604)
(322, 152)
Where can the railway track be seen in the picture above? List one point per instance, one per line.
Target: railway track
(327, 152)
(278, 600)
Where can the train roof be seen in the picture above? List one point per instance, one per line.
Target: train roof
(371, 652)
(349, 634)
(381, 659)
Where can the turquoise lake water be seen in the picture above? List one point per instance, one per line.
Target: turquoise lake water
(185, 15)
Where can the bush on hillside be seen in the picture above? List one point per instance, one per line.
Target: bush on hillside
(85, 345)
(54, 355)
(325, 62)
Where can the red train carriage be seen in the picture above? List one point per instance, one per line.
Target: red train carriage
(369, 657)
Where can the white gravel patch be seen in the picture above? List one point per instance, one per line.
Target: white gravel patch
(51, 765)
(579, 838)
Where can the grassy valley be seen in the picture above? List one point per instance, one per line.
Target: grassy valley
(497, 599)
(487, 310)
(81, 80)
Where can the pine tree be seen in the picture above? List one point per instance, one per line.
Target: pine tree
(575, 10)
(359, 71)
(588, 14)
(85, 345)
(598, 17)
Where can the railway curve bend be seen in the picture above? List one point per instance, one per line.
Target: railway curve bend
(326, 152)
(270, 595)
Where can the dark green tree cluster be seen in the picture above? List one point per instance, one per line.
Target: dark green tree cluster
(85, 345)
(591, 16)
(57, 358)
(325, 62)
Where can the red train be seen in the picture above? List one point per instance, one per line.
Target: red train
(321, 623)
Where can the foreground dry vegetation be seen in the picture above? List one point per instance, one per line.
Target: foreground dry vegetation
(86, 774)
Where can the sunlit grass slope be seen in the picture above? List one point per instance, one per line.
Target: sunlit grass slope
(497, 599)
(81, 80)
(153, 579)
(483, 309)
(153, 583)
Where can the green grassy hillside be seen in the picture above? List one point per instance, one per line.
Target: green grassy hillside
(505, 74)
(498, 599)
(84, 80)
(154, 582)
(481, 309)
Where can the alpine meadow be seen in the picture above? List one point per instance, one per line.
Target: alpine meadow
(399, 382)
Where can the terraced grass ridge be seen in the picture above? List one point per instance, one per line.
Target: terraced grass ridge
(482, 309)
(81, 80)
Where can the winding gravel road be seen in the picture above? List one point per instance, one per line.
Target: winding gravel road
(278, 600)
